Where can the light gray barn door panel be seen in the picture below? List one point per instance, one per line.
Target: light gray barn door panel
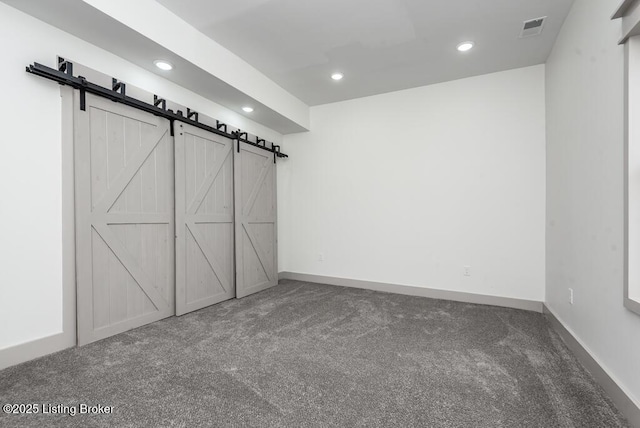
(204, 219)
(124, 219)
(255, 220)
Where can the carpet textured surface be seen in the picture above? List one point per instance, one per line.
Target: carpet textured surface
(302, 355)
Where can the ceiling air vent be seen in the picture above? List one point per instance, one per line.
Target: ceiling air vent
(533, 27)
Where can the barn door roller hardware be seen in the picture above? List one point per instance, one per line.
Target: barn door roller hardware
(64, 76)
(276, 151)
(260, 143)
(241, 136)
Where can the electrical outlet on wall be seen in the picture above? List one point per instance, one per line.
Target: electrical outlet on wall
(467, 271)
(320, 257)
(571, 296)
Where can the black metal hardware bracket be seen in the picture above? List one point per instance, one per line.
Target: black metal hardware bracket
(276, 151)
(220, 125)
(119, 87)
(83, 93)
(238, 136)
(64, 76)
(65, 66)
(191, 114)
(157, 101)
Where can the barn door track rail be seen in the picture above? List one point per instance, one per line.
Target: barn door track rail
(64, 76)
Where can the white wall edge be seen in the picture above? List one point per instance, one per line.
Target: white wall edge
(629, 12)
(622, 9)
(624, 400)
(409, 290)
(69, 309)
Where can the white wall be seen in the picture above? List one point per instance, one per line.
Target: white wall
(409, 187)
(585, 141)
(30, 167)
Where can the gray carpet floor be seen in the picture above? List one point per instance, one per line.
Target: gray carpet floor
(302, 355)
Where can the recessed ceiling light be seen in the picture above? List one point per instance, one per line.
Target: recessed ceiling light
(247, 109)
(163, 65)
(337, 76)
(465, 46)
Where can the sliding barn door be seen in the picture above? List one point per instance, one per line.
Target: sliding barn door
(256, 235)
(204, 219)
(124, 219)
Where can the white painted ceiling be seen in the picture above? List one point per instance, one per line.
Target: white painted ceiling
(92, 25)
(379, 45)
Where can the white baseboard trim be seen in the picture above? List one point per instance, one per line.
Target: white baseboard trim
(35, 349)
(458, 296)
(629, 407)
